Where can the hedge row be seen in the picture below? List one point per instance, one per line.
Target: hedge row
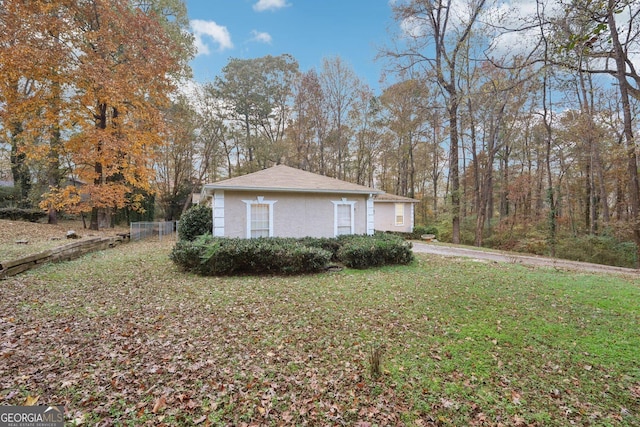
(18, 214)
(374, 251)
(213, 256)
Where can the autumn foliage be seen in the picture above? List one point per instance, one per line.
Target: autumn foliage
(84, 86)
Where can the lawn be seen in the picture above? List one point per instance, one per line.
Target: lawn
(121, 337)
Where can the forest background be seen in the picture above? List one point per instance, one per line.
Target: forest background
(528, 145)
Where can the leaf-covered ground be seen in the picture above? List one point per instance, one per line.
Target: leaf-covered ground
(22, 238)
(121, 337)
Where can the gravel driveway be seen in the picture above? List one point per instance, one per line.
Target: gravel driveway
(455, 251)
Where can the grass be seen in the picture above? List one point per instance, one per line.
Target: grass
(122, 337)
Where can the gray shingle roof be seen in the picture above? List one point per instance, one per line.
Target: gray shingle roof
(284, 178)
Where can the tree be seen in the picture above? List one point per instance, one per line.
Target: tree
(34, 72)
(340, 87)
(606, 31)
(405, 117)
(175, 159)
(102, 71)
(310, 124)
(435, 40)
(257, 94)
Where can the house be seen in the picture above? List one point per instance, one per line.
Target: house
(394, 213)
(282, 201)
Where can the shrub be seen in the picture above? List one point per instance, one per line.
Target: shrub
(197, 221)
(188, 254)
(213, 256)
(32, 215)
(222, 256)
(598, 249)
(366, 251)
(419, 231)
(431, 229)
(9, 196)
(329, 244)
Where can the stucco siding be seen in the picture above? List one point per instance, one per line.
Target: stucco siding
(294, 214)
(385, 217)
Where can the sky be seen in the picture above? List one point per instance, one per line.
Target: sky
(309, 30)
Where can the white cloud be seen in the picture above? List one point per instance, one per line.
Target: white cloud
(261, 37)
(263, 5)
(514, 34)
(414, 27)
(204, 30)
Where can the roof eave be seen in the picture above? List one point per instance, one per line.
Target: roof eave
(408, 200)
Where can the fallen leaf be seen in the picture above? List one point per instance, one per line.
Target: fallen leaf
(519, 421)
(160, 404)
(31, 400)
(447, 404)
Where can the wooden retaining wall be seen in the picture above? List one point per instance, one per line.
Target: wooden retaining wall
(62, 253)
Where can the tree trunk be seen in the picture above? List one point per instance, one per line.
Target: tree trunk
(19, 169)
(453, 165)
(632, 161)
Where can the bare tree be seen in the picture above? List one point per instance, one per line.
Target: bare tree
(434, 39)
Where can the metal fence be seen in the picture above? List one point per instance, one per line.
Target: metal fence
(145, 230)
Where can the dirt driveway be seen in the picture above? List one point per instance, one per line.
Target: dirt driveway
(456, 251)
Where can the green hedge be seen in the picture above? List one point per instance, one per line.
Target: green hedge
(383, 249)
(197, 221)
(221, 256)
(33, 215)
(211, 256)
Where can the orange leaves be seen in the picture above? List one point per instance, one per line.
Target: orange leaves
(86, 82)
(58, 199)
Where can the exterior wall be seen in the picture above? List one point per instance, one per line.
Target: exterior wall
(294, 214)
(385, 217)
(218, 213)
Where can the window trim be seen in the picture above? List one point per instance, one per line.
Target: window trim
(259, 201)
(344, 201)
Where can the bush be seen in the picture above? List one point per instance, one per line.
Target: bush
(222, 256)
(214, 256)
(382, 249)
(32, 215)
(598, 249)
(197, 221)
(329, 244)
(187, 254)
(9, 196)
(420, 230)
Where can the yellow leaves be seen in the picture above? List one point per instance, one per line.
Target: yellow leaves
(30, 400)
(61, 199)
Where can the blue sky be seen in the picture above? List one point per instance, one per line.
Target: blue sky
(309, 30)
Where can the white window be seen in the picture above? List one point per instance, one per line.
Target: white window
(259, 217)
(344, 218)
(260, 213)
(399, 213)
